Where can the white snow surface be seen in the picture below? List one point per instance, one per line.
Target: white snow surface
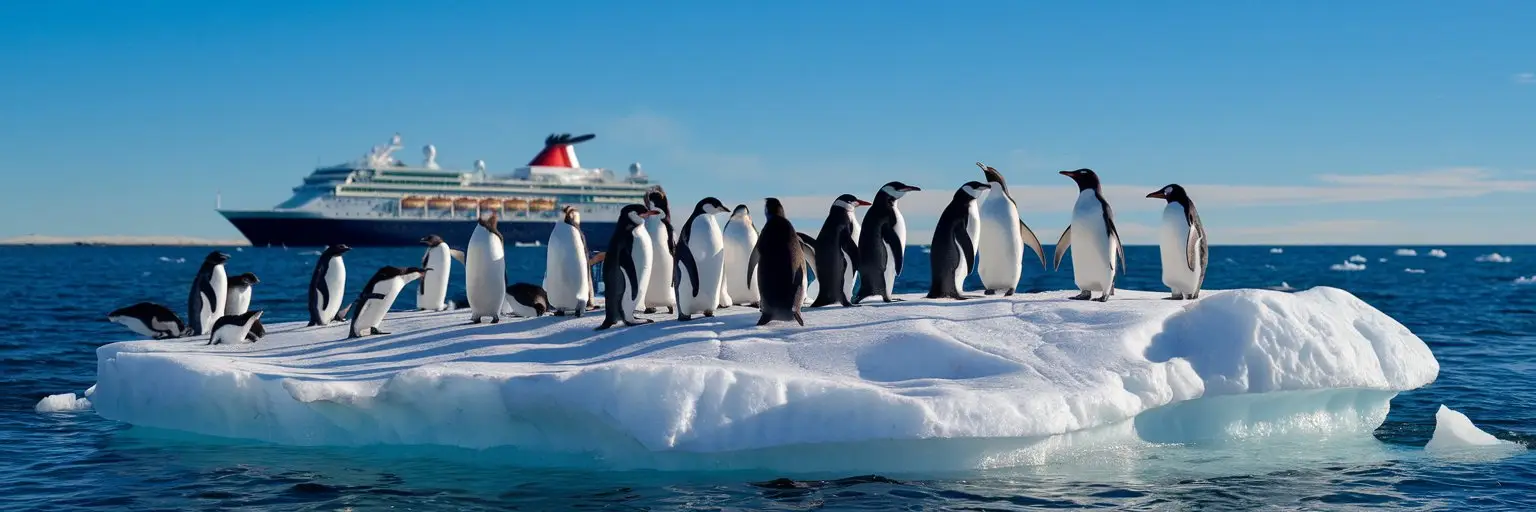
(63, 403)
(1454, 431)
(995, 381)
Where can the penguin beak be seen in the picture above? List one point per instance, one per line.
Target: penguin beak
(1157, 195)
(647, 214)
(1067, 173)
(861, 202)
(910, 188)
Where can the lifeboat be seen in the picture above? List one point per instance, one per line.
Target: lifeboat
(516, 203)
(440, 202)
(490, 204)
(541, 205)
(413, 202)
(466, 203)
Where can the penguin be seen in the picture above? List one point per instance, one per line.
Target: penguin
(234, 328)
(432, 291)
(149, 319)
(836, 252)
(238, 300)
(1002, 238)
(780, 264)
(1184, 248)
(485, 271)
(566, 276)
(205, 301)
(378, 294)
(327, 286)
(700, 262)
(1097, 243)
(881, 242)
(740, 237)
(659, 291)
(952, 256)
(627, 267)
(527, 300)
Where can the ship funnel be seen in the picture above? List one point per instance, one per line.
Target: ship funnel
(559, 151)
(430, 152)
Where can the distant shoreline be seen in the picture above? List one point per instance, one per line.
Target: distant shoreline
(183, 241)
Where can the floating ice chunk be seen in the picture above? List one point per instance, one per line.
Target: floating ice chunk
(1381, 260)
(1284, 287)
(1525, 280)
(914, 385)
(1414, 270)
(1357, 259)
(1348, 266)
(1406, 252)
(90, 390)
(1454, 432)
(1494, 258)
(1436, 253)
(1276, 250)
(63, 403)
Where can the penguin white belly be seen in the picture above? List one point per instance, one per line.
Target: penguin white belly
(658, 290)
(211, 308)
(433, 294)
(230, 334)
(890, 259)
(1092, 254)
(135, 325)
(486, 274)
(642, 255)
(973, 230)
(708, 249)
(518, 308)
(1174, 239)
(374, 310)
(238, 301)
(335, 284)
(565, 269)
(1002, 246)
(739, 242)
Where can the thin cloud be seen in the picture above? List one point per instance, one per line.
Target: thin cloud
(1525, 78)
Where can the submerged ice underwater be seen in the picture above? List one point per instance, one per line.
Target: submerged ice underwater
(910, 386)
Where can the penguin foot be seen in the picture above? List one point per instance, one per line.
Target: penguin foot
(559, 312)
(495, 319)
(755, 305)
(1009, 293)
(847, 304)
(709, 314)
(638, 321)
(376, 331)
(1083, 296)
(606, 324)
(724, 306)
(1192, 296)
(989, 292)
(763, 320)
(684, 318)
(798, 319)
(650, 311)
(1102, 298)
(578, 312)
(671, 310)
(888, 299)
(1174, 297)
(474, 320)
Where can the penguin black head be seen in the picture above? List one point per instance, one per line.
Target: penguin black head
(849, 202)
(634, 215)
(570, 215)
(1173, 193)
(245, 279)
(657, 198)
(216, 258)
(773, 208)
(740, 211)
(334, 250)
(709, 205)
(992, 175)
(489, 223)
(896, 189)
(432, 240)
(972, 189)
(1085, 178)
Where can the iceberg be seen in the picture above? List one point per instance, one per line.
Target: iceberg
(63, 403)
(1357, 259)
(1494, 258)
(1436, 253)
(1406, 252)
(1454, 433)
(917, 385)
(1348, 266)
(1276, 250)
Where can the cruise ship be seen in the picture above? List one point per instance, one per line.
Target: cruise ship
(379, 201)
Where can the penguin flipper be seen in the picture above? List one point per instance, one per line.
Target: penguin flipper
(690, 267)
(1119, 250)
(457, 254)
(341, 316)
(752, 262)
(1061, 246)
(1032, 241)
(849, 247)
(893, 244)
(968, 249)
(808, 253)
(1192, 249)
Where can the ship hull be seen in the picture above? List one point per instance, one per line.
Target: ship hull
(294, 231)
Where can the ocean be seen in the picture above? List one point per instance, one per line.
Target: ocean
(1478, 317)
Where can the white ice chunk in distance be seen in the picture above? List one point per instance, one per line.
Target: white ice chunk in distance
(63, 403)
(1494, 258)
(1454, 432)
(1406, 252)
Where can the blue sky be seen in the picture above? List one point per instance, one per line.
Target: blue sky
(1290, 122)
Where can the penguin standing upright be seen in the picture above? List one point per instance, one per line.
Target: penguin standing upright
(953, 253)
(740, 237)
(485, 271)
(327, 286)
(238, 300)
(1184, 249)
(882, 242)
(626, 268)
(700, 261)
(205, 301)
(1095, 242)
(432, 291)
(566, 279)
(658, 290)
(780, 264)
(377, 296)
(1003, 237)
(837, 252)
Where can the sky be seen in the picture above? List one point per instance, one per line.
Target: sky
(1303, 122)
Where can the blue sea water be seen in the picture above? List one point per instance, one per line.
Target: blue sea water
(1478, 320)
